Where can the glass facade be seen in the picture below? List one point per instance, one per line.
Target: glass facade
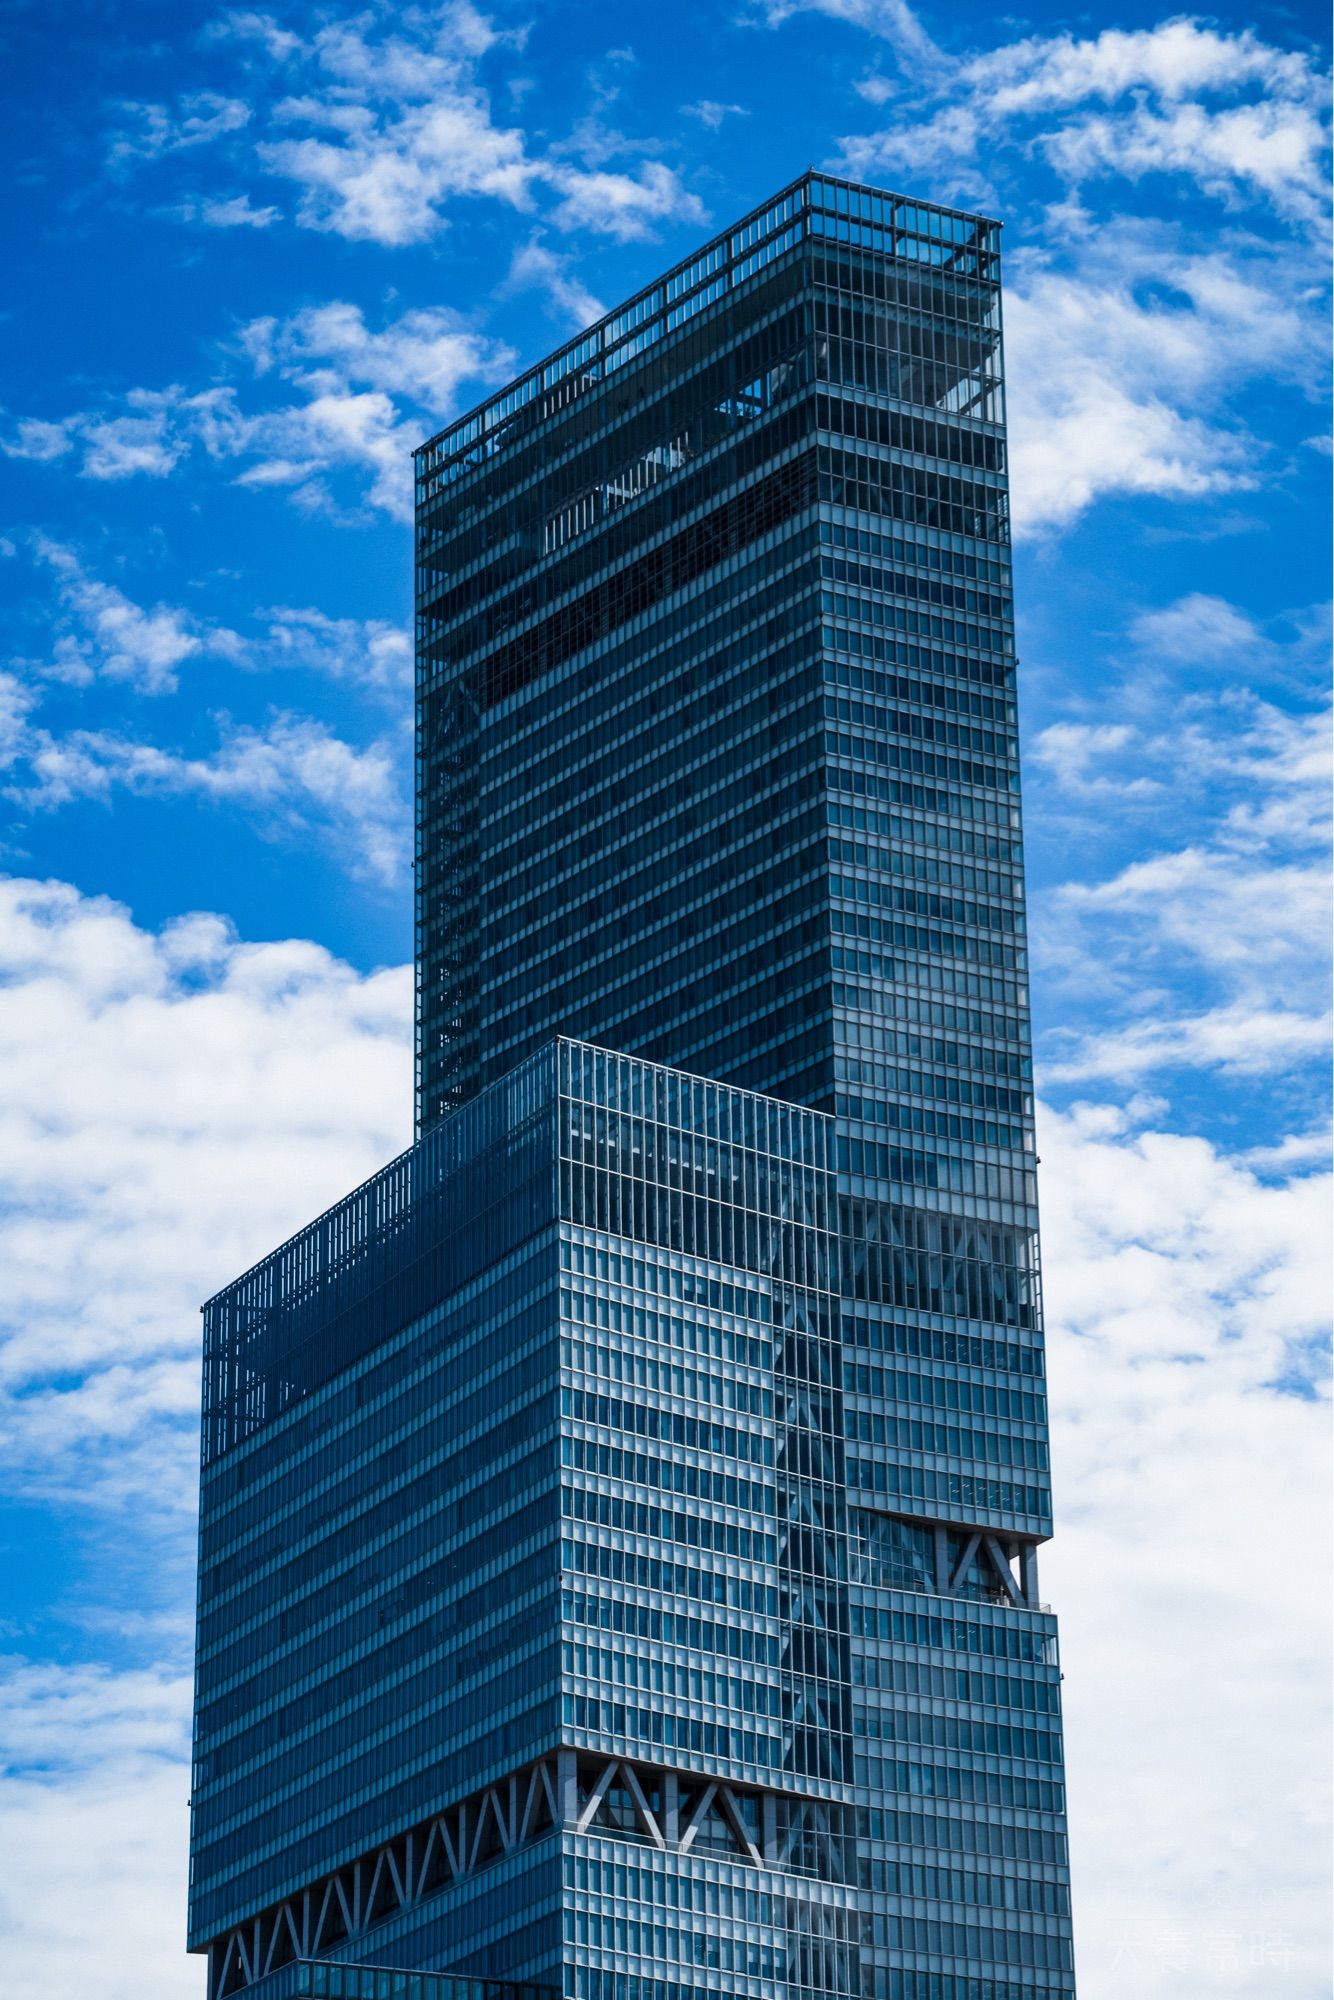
(618, 1564)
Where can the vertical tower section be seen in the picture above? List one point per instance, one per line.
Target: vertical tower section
(621, 820)
(718, 764)
(956, 1702)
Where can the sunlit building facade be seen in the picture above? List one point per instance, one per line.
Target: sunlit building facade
(620, 1518)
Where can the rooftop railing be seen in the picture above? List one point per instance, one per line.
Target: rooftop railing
(816, 206)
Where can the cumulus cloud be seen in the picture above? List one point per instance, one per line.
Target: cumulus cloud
(328, 400)
(102, 631)
(293, 778)
(1160, 87)
(370, 652)
(95, 1765)
(171, 1104)
(537, 268)
(1124, 361)
(893, 20)
(1211, 953)
(222, 1094)
(380, 121)
(1187, 1314)
(622, 205)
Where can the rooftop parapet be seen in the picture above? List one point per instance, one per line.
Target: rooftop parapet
(815, 207)
(574, 1133)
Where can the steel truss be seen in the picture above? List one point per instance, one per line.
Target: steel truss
(574, 1792)
(1021, 1590)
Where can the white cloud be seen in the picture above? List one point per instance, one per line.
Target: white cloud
(1272, 148)
(1198, 628)
(384, 183)
(1241, 1039)
(237, 212)
(381, 123)
(17, 701)
(894, 20)
(425, 354)
(143, 439)
(1072, 750)
(1203, 942)
(1122, 363)
(95, 1775)
(370, 652)
(198, 120)
(340, 377)
(1212, 954)
(1210, 904)
(534, 266)
(1175, 59)
(248, 25)
(338, 428)
(105, 632)
(1028, 93)
(712, 114)
(39, 441)
(1190, 1550)
(1288, 757)
(223, 1093)
(400, 127)
(292, 778)
(49, 1713)
(101, 632)
(625, 206)
(1289, 1154)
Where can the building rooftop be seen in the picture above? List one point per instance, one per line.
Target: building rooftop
(816, 206)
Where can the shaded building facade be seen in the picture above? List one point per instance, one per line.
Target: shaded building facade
(620, 1517)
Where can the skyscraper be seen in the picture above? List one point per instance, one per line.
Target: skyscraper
(620, 1518)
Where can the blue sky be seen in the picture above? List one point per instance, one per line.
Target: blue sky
(252, 258)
